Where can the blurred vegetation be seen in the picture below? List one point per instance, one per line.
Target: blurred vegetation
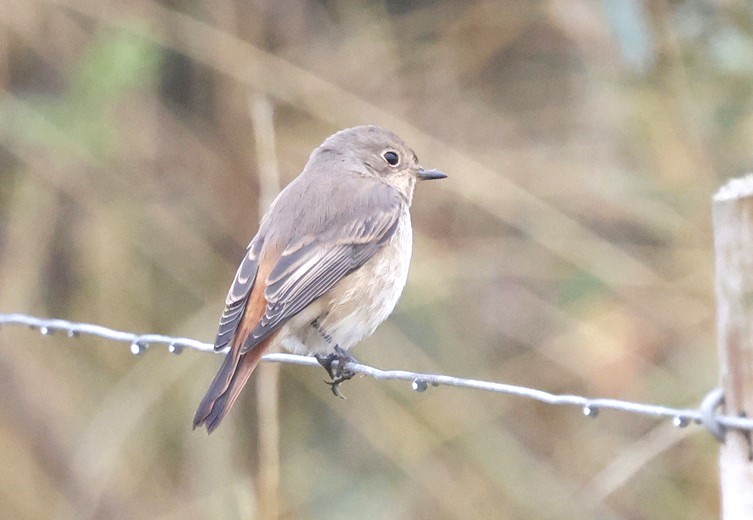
(569, 250)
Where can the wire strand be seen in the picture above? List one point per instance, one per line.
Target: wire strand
(419, 381)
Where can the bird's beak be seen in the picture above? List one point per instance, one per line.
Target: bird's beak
(427, 175)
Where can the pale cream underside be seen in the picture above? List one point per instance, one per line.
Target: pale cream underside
(354, 307)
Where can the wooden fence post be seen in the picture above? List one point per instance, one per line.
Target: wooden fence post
(733, 249)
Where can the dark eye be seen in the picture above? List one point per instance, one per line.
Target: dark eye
(391, 157)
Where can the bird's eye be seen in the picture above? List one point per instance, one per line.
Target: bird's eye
(391, 157)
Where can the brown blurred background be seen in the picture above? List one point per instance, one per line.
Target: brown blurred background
(569, 251)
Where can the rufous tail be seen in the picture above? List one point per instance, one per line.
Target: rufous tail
(226, 386)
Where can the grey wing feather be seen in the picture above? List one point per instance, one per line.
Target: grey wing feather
(310, 267)
(235, 303)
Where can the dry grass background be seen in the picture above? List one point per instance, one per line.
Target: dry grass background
(569, 250)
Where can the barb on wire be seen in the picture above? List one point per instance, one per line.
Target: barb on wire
(419, 382)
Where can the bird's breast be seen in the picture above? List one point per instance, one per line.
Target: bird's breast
(364, 299)
(358, 303)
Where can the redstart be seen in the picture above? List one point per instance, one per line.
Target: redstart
(327, 265)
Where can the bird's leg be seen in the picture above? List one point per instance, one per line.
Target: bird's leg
(334, 364)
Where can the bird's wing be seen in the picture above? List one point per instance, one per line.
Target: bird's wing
(237, 297)
(313, 263)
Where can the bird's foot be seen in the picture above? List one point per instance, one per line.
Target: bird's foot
(334, 364)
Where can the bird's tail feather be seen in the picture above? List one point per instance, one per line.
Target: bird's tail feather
(227, 385)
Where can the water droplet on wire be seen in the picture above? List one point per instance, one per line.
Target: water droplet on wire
(419, 385)
(45, 330)
(590, 411)
(138, 348)
(175, 348)
(680, 421)
(73, 333)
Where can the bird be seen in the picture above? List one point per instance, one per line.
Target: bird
(327, 265)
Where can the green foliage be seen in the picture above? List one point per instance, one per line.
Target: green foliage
(580, 285)
(113, 65)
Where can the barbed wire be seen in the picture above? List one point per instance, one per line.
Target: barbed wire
(705, 414)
